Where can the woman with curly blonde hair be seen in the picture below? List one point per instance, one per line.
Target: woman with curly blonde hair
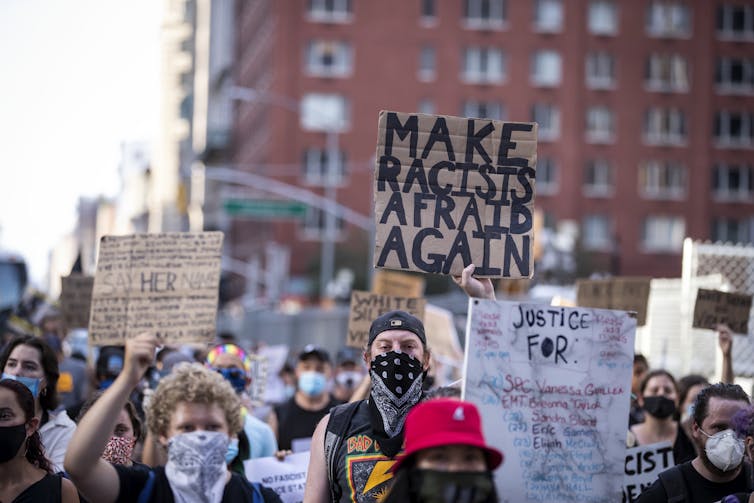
(193, 413)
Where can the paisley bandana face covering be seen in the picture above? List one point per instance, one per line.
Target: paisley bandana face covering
(196, 467)
(396, 387)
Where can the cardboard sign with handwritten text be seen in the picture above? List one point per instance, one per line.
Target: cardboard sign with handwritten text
(166, 284)
(366, 306)
(397, 283)
(451, 191)
(713, 307)
(558, 382)
(76, 299)
(623, 293)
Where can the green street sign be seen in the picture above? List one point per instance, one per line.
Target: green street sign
(265, 209)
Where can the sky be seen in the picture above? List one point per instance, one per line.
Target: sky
(79, 77)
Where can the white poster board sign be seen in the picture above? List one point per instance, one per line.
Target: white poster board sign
(287, 477)
(553, 386)
(643, 464)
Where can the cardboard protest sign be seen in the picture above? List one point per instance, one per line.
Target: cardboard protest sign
(451, 191)
(398, 283)
(287, 478)
(165, 284)
(643, 464)
(624, 293)
(559, 378)
(76, 299)
(713, 307)
(366, 306)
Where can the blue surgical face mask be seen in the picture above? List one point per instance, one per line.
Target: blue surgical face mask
(232, 451)
(30, 382)
(312, 383)
(289, 390)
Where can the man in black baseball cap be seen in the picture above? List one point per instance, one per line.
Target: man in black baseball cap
(350, 447)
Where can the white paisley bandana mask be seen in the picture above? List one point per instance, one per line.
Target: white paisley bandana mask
(196, 468)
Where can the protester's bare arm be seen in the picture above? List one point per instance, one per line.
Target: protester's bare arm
(725, 340)
(475, 287)
(68, 492)
(317, 485)
(94, 477)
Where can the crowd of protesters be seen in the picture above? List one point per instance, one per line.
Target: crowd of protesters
(147, 422)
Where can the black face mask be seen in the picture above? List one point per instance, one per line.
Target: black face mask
(659, 406)
(11, 439)
(433, 486)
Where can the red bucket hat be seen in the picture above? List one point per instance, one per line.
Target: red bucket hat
(445, 421)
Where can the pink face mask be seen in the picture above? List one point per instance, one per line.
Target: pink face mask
(118, 450)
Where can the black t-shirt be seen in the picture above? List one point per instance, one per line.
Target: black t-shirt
(132, 482)
(295, 422)
(699, 489)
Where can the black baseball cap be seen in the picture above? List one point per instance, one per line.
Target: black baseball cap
(397, 320)
(316, 351)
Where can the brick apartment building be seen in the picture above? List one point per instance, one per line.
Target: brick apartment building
(645, 112)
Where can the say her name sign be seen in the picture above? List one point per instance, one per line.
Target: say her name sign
(164, 284)
(553, 387)
(452, 191)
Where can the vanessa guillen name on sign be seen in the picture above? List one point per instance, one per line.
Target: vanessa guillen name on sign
(452, 191)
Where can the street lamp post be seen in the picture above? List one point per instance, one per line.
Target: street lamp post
(327, 253)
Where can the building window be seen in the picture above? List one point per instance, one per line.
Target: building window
(735, 76)
(483, 65)
(600, 70)
(600, 125)
(547, 176)
(665, 126)
(735, 22)
(548, 118)
(733, 230)
(429, 11)
(482, 14)
(546, 69)
(598, 179)
(548, 16)
(664, 180)
(663, 234)
(668, 18)
(328, 59)
(483, 110)
(596, 233)
(667, 73)
(602, 17)
(314, 225)
(734, 129)
(427, 63)
(733, 182)
(317, 167)
(324, 112)
(333, 11)
(426, 106)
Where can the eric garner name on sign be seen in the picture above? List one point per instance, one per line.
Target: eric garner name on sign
(553, 386)
(452, 191)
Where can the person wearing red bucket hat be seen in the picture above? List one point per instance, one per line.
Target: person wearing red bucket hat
(446, 459)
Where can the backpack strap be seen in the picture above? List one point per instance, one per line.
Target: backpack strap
(146, 491)
(337, 426)
(674, 484)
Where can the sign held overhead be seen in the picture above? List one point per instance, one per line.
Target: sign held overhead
(713, 307)
(451, 191)
(165, 284)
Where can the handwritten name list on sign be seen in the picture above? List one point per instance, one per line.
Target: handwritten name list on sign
(165, 284)
(452, 191)
(553, 386)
